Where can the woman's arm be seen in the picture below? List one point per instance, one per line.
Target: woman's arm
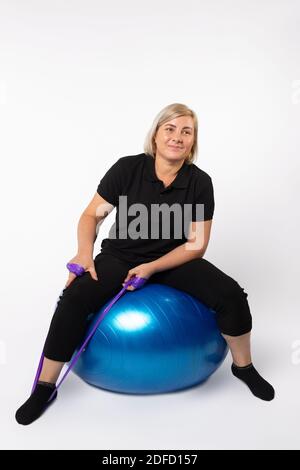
(86, 234)
(87, 229)
(194, 248)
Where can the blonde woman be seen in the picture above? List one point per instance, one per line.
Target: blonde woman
(164, 174)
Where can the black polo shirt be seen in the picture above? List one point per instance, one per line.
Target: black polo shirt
(134, 176)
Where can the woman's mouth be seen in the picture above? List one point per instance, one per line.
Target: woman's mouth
(175, 148)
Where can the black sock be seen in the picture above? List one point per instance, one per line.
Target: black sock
(36, 403)
(258, 386)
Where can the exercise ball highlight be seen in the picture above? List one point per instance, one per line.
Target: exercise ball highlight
(153, 340)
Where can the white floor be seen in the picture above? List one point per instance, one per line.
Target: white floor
(221, 414)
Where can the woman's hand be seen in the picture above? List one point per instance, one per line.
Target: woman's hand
(87, 262)
(144, 270)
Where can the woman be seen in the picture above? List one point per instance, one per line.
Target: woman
(162, 176)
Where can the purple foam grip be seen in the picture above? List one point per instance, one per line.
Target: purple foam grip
(76, 269)
(137, 282)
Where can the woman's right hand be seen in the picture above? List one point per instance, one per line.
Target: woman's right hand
(87, 262)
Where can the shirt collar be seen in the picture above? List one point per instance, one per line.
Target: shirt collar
(182, 177)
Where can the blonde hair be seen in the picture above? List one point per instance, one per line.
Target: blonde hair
(172, 111)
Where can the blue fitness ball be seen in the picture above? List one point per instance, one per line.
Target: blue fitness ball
(153, 340)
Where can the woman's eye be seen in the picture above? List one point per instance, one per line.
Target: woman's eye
(169, 129)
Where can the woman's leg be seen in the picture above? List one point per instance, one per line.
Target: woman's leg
(215, 289)
(69, 322)
(227, 298)
(50, 370)
(67, 330)
(240, 348)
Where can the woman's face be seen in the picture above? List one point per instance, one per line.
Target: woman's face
(174, 139)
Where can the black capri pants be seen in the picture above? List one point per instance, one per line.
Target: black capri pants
(85, 295)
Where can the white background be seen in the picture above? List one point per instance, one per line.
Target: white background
(80, 83)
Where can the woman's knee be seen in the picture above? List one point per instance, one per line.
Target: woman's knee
(232, 290)
(81, 287)
(74, 299)
(87, 295)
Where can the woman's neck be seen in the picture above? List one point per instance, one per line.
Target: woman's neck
(167, 170)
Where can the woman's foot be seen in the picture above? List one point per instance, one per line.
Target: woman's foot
(36, 403)
(258, 386)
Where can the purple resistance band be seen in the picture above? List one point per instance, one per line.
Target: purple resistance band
(136, 282)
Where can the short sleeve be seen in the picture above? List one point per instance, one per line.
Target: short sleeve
(110, 186)
(206, 197)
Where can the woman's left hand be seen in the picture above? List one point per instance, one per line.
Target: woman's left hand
(144, 270)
